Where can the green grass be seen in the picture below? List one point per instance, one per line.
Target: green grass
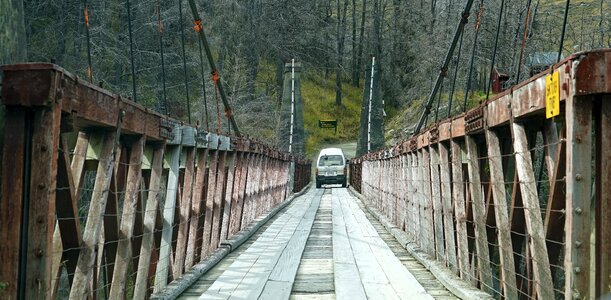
(318, 95)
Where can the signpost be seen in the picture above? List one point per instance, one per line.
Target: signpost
(328, 124)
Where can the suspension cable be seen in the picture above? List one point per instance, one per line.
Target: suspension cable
(496, 42)
(455, 75)
(89, 65)
(160, 28)
(523, 42)
(444, 67)
(468, 85)
(566, 14)
(438, 101)
(202, 36)
(131, 51)
(201, 64)
(184, 60)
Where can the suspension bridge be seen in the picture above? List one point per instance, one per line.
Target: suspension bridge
(103, 198)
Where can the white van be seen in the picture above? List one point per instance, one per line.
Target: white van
(331, 167)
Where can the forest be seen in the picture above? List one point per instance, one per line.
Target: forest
(148, 50)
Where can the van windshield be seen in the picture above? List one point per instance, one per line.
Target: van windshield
(330, 160)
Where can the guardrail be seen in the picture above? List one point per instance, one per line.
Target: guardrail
(103, 198)
(515, 203)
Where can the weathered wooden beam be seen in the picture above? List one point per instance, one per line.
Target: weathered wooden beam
(218, 202)
(458, 194)
(578, 195)
(150, 218)
(479, 222)
(124, 249)
(228, 198)
(163, 265)
(508, 279)
(542, 274)
(196, 208)
(448, 209)
(184, 213)
(437, 204)
(95, 216)
(212, 178)
(603, 199)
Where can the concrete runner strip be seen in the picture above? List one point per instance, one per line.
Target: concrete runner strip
(252, 268)
(381, 271)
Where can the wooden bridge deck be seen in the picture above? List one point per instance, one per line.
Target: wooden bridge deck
(323, 245)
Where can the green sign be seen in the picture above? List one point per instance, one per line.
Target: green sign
(328, 124)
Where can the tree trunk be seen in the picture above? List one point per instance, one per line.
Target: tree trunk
(341, 34)
(354, 70)
(359, 57)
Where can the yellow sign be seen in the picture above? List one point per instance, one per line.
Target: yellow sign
(552, 95)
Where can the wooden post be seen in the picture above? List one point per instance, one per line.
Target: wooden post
(479, 216)
(448, 209)
(218, 202)
(212, 176)
(228, 195)
(502, 219)
(437, 206)
(603, 199)
(196, 208)
(97, 207)
(184, 212)
(123, 258)
(165, 249)
(458, 194)
(578, 193)
(532, 213)
(415, 199)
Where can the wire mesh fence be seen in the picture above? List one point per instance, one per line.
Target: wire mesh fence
(506, 198)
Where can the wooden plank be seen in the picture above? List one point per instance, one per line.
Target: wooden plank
(109, 238)
(603, 201)
(250, 164)
(479, 216)
(41, 214)
(578, 193)
(448, 209)
(382, 273)
(163, 265)
(150, 218)
(237, 197)
(184, 213)
(228, 199)
(501, 216)
(196, 208)
(123, 257)
(282, 276)
(422, 185)
(437, 206)
(212, 175)
(348, 283)
(218, 203)
(458, 194)
(78, 159)
(532, 212)
(94, 219)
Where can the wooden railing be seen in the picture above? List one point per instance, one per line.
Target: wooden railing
(102, 198)
(509, 200)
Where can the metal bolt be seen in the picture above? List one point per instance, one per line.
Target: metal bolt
(43, 148)
(39, 253)
(578, 210)
(577, 244)
(578, 140)
(578, 177)
(577, 270)
(41, 185)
